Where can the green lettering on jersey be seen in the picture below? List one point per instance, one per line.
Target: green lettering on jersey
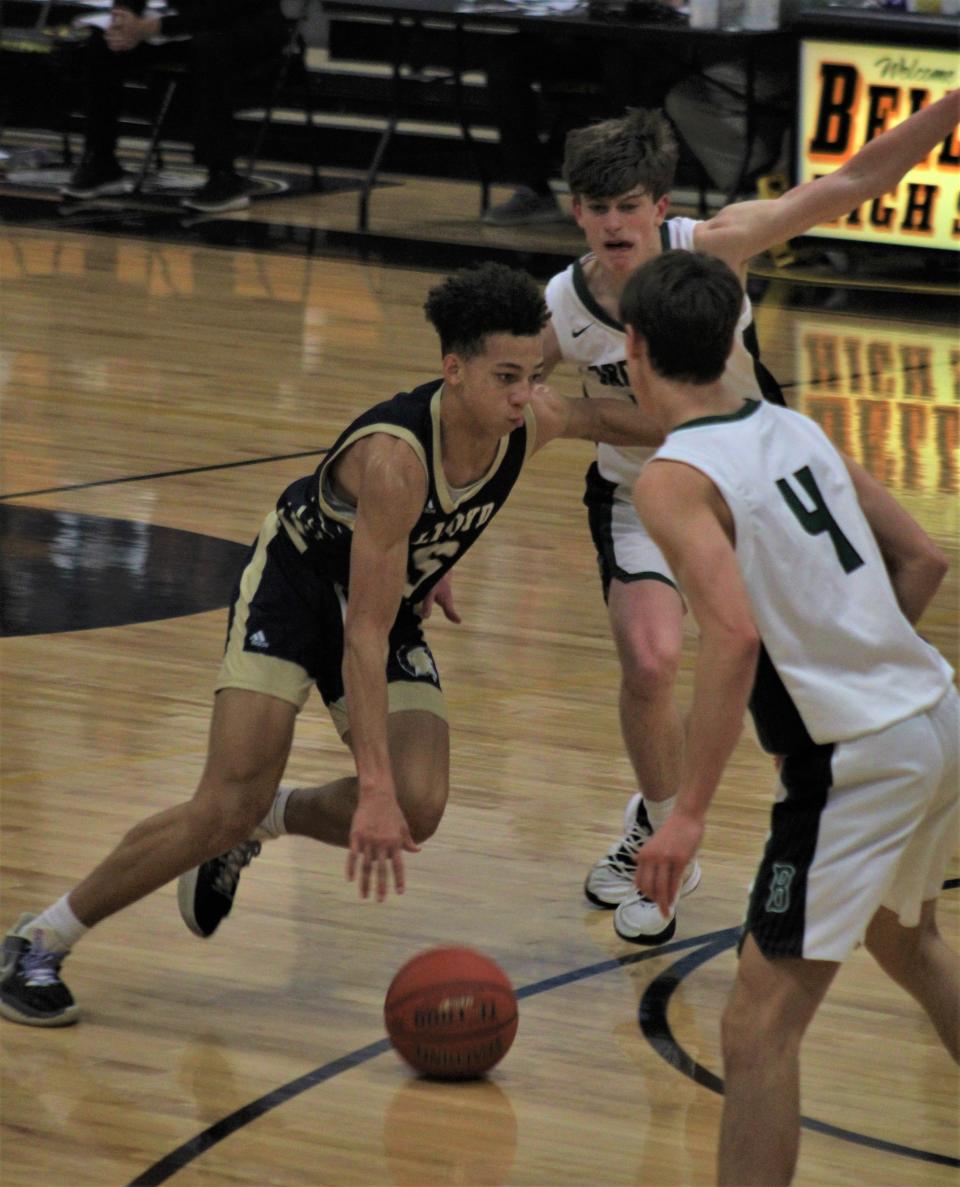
(818, 519)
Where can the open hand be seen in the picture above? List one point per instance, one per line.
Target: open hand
(662, 860)
(379, 836)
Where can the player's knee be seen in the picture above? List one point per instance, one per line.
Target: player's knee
(225, 814)
(734, 1034)
(747, 1038)
(889, 947)
(907, 954)
(217, 828)
(650, 671)
(755, 1031)
(424, 811)
(425, 820)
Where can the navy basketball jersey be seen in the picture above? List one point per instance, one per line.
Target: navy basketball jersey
(320, 523)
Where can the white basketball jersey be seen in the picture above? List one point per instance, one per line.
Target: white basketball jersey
(597, 343)
(849, 660)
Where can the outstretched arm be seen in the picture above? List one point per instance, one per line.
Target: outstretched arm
(391, 491)
(551, 349)
(740, 231)
(617, 422)
(687, 517)
(915, 564)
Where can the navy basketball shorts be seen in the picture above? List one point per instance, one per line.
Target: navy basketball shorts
(858, 825)
(286, 633)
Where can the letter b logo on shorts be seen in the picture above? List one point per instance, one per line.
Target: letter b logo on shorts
(778, 900)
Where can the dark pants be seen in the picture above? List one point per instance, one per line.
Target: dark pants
(600, 81)
(214, 62)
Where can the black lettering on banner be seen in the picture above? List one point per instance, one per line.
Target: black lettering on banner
(838, 92)
(921, 204)
(884, 104)
(950, 151)
(918, 99)
(819, 518)
(881, 215)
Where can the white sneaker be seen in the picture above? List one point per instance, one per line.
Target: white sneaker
(610, 880)
(638, 919)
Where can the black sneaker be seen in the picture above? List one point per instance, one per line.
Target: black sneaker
(96, 177)
(205, 894)
(525, 207)
(223, 191)
(31, 991)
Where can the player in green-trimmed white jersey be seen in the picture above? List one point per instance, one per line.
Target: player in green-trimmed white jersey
(806, 579)
(620, 172)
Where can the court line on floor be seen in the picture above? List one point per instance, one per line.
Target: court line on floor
(176, 1160)
(283, 457)
(707, 946)
(253, 461)
(656, 1029)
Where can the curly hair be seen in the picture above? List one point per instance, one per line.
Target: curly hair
(491, 299)
(615, 156)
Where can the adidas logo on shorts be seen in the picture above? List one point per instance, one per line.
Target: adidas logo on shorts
(258, 640)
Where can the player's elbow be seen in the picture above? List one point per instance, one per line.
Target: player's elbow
(365, 646)
(926, 564)
(734, 641)
(930, 568)
(743, 643)
(936, 563)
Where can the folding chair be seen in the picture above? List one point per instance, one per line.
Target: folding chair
(292, 69)
(291, 64)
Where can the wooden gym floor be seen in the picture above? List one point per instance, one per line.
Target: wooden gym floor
(158, 393)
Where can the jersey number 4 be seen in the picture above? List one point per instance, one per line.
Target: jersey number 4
(818, 518)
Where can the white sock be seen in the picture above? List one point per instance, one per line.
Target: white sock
(61, 928)
(658, 810)
(272, 825)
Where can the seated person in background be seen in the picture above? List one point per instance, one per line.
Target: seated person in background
(709, 110)
(524, 158)
(219, 41)
(610, 77)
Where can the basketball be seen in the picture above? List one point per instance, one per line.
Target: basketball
(451, 1013)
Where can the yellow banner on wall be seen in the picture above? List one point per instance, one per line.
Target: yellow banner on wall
(852, 93)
